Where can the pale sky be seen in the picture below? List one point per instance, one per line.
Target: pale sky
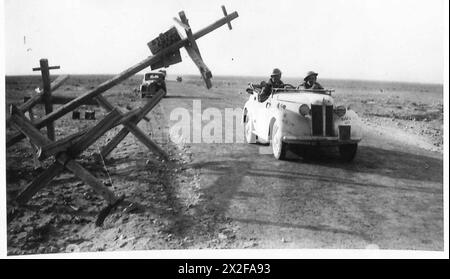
(356, 39)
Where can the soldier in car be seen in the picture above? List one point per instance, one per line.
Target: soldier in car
(160, 83)
(274, 82)
(310, 81)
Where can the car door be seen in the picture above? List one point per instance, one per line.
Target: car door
(263, 117)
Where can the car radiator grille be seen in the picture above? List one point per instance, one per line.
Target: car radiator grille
(317, 113)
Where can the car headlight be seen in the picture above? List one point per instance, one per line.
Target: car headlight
(340, 111)
(303, 110)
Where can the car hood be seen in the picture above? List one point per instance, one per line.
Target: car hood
(304, 98)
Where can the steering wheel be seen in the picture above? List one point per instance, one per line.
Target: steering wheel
(289, 86)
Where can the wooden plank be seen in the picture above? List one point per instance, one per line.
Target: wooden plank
(90, 180)
(19, 121)
(58, 82)
(61, 111)
(109, 147)
(124, 132)
(59, 146)
(39, 182)
(31, 103)
(78, 142)
(61, 100)
(86, 140)
(194, 52)
(62, 158)
(204, 70)
(143, 138)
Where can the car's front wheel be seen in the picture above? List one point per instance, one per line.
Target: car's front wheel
(348, 151)
(278, 146)
(250, 137)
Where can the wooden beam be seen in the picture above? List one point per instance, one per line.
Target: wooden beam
(131, 126)
(194, 52)
(78, 142)
(86, 140)
(58, 82)
(109, 147)
(59, 146)
(19, 122)
(89, 179)
(61, 100)
(18, 119)
(39, 182)
(204, 70)
(106, 150)
(61, 111)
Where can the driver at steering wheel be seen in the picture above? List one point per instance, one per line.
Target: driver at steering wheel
(274, 82)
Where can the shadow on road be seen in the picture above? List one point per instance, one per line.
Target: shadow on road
(228, 171)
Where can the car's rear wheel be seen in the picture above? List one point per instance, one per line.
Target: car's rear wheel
(278, 146)
(348, 152)
(250, 137)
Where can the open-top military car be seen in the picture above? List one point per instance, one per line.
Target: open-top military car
(300, 117)
(152, 82)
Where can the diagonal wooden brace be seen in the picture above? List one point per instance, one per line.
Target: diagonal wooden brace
(194, 52)
(78, 142)
(131, 126)
(25, 126)
(124, 132)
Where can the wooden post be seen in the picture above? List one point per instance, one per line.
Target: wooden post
(47, 95)
(61, 111)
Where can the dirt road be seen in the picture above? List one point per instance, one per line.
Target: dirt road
(389, 197)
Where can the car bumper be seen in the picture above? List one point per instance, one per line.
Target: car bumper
(317, 140)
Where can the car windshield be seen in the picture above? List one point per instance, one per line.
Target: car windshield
(151, 76)
(297, 90)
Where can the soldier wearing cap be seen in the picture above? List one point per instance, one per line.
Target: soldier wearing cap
(162, 82)
(274, 82)
(310, 81)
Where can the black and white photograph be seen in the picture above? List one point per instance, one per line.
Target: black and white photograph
(224, 129)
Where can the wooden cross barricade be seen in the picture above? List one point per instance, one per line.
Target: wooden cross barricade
(165, 49)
